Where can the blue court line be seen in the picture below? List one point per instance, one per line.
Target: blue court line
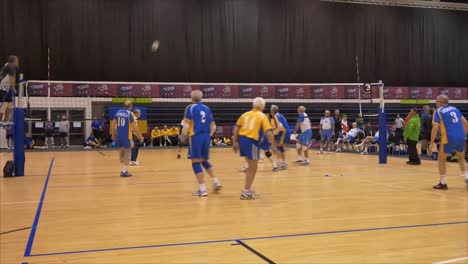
(27, 252)
(247, 239)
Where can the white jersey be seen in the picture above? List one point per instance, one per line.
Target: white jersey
(304, 121)
(354, 132)
(327, 122)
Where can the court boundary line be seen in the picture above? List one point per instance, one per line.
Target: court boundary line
(32, 234)
(451, 260)
(246, 239)
(15, 230)
(260, 255)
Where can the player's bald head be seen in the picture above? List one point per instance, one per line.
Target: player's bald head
(443, 99)
(196, 96)
(274, 109)
(259, 103)
(128, 104)
(301, 109)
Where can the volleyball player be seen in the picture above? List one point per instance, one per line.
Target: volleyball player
(199, 125)
(327, 128)
(453, 126)
(123, 130)
(248, 131)
(282, 135)
(7, 87)
(265, 146)
(303, 141)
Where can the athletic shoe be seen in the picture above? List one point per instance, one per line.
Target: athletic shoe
(338, 150)
(414, 163)
(247, 195)
(244, 169)
(440, 186)
(305, 163)
(275, 169)
(299, 161)
(466, 182)
(87, 147)
(320, 152)
(134, 163)
(283, 166)
(364, 152)
(178, 156)
(200, 193)
(125, 174)
(217, 187)
(137, 163)
(328, 151)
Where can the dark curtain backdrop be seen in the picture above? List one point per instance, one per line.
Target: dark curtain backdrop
(235, 41)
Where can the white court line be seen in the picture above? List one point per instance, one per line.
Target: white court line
(26, 202)
(451, 260)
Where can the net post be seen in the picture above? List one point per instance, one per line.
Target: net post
(18, 133)
(383, 149)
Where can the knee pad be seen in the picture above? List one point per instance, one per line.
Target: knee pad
(206, 165)
(197, 168)
(268, 154)
(298, 146)
(304, 148)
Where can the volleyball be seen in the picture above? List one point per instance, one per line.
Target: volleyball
(155, 46)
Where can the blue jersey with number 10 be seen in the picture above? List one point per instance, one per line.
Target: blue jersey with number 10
(199, 117)
(125, 120)
(450, 121)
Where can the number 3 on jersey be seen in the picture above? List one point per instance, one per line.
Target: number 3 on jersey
(454, 117)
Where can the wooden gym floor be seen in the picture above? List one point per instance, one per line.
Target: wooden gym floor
(360, 213)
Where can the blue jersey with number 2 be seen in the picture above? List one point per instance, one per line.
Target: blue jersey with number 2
(199, 117)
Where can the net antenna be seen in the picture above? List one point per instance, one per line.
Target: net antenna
(359, 84)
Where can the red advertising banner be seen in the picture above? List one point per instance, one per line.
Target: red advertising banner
(352, 92)
(150, 90)
(396, 92)
(422, 93)
(327, 92)
(219, 91)
(252, 91)
(293, 92)
(455, 93)
(137, 90)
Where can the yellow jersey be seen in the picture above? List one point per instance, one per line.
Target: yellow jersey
(166, 132)
(253, 124)
(175, 131)
(155, 133)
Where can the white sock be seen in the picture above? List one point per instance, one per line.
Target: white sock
(202, 187)
(274, 165)
(123, 168)
(442, 179)
(215, 180)
(466, 175)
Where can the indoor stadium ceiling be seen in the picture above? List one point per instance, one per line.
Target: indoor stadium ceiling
(461, 5)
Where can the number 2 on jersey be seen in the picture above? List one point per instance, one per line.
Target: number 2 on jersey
(203, 116)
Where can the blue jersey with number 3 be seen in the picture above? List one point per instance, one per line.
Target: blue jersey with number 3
(199, 117)
(450, 122)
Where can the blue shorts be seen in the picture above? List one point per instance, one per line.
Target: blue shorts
(326, 134)
(265, 144)
(350, 138)
(199, 147)
(305, 137)
(457, 146)
(249, 148)
(123, 142)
